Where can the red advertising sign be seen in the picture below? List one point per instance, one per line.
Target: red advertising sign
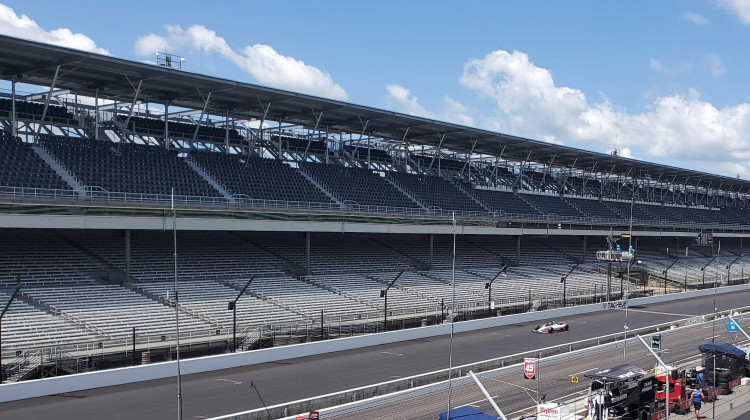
(529, 368)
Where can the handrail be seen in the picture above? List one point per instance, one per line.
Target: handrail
(95, 194)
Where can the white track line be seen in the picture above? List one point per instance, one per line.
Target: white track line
(659, 313)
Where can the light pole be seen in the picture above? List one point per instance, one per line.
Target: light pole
(564, 281)
(729, 266)
(384, 294)
(703, 271)
(233, 307)
(176, 309)
(713, 338)
(488, 285)
(5, 309)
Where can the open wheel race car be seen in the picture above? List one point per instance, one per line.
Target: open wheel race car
(551, 327)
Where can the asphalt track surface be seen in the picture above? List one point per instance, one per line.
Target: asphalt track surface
(515, 395)
(227, 391)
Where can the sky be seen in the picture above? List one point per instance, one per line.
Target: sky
(662, 81)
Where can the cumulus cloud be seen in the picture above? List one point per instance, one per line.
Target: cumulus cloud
(695, 18)
(22, 26)
(717, 68)
(401, 99)
(740, 7)
(679, 126)
(267, 65)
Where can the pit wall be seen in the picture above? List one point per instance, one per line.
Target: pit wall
(79, 382)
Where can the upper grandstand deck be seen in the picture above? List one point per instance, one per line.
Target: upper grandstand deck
(146, 132)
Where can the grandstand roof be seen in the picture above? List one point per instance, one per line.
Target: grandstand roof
(82, 72)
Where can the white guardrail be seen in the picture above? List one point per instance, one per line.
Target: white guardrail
(90, 380)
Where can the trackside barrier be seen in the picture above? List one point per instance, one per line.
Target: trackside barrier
(63, 384)
(458, 373)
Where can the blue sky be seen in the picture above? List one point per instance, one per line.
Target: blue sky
(666, 80)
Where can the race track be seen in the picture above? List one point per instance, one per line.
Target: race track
(222, 392)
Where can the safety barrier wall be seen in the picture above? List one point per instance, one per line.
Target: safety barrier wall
(401, 385)
(51, 386)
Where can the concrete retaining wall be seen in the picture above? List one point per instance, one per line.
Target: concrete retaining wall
(79, 382)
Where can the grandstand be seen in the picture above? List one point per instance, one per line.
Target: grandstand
(321, 212)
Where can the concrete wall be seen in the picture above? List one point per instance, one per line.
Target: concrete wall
(223, 224)
(51, 386)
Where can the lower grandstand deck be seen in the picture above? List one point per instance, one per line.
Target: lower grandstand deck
(76, 289)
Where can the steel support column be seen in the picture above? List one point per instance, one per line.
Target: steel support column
(96, 114)
(46, 100)
(203, 112)
(307, 252)
(437, 151)
(309, 140)
(468, 158)
(127, 255)
(226, 131)
(166, 125)
(281, 153)
(265, 109)
(132, 105)
(518, 250)
(583, 257)
(13, 118)
(361, 134)
(432, 248)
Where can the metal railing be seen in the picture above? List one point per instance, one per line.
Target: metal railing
(20, 360)
(98, 195)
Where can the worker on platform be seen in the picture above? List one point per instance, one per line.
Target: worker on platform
(700, 377)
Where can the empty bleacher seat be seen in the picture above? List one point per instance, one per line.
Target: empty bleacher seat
(20, 166)
(258, 178)
(131, 168)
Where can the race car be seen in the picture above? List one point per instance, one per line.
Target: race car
(550, 327)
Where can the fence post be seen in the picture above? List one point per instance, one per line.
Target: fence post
(133, 346)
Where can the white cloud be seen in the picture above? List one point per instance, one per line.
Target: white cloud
(695, 18)
(267, 65)
(401, 99)
(717, 68)
(456, 112)
(655, 65)
(740, 7)
(669, 67)
(24, 27)
(625, 152)
(678, 126)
